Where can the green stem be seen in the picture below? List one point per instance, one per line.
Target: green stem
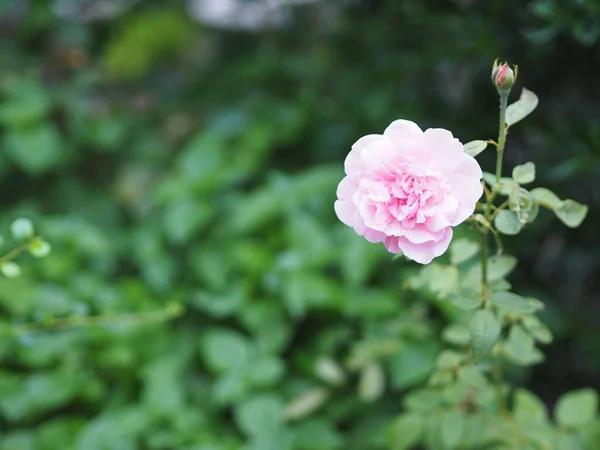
(170, 312)
(499, 382)
(501, 135)
(484, 258)
(489, 215)
(14, 253)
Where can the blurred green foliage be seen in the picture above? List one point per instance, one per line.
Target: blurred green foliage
(166, 161)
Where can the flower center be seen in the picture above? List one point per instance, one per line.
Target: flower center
(409, 194)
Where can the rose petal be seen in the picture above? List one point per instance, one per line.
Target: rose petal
(375, 236)
(345, 211)
(375, 156)
(463, 189)
(420, 234)
(443, 150)
(346, 189)
(469, 167)
(391, 244)
(353, 162)
(437, 222)
(402, 129)
(424, 253)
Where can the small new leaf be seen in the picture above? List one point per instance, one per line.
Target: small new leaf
(522, 203)
(485, 330)
(507, 222)
(39, 247)
(571, 213)
(504, 187)
(521, 108)
(10, 269)
(524, 174)
(474, 148)
(22, 229)
(546, 198)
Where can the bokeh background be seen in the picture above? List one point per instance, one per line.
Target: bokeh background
(187, 153)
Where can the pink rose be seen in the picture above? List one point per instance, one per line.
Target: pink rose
(408, 188)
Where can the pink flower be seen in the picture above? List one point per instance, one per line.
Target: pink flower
(408, 188)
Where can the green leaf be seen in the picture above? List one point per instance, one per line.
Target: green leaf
(485, 330)
(266, 371)
(571, 213)
(474, 148)
(371, 383)
(163, 387)
(36, 150)
(406, 431)
(533, 211)
(499, 285)
(505, 185)
(39, 248)
(466, 300)
(472, 376)
(522, 203)
(577, 408)
(22, 229)
(10, 269)
(539, 331)
(306, 403)
(225, 349)
(448, 359)
(529, 408)
(441, 378)
(456, 334)
(412, 364)
(230, 388)
(442, 280)
(520, 109)
(452, 425)
(520, 347)
(499, 266)
(260, 416)
(462, 250)
(546, 198)
(330, 371)
(513, 302)
(313, 434)
(423, 400)
(183, 218)
(524, 173)
(506, 222)
(149, 37)
(571, 441)
(28, 103)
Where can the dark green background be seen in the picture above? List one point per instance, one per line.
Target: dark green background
(168, 161)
